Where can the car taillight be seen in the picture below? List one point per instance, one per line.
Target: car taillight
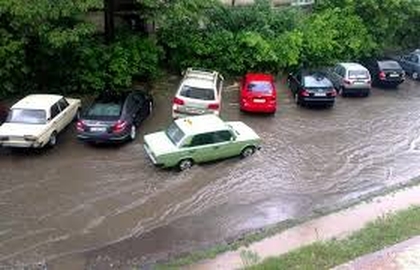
(382, 75)
(214, 106)
(178, 101)
(333, 93)
(347, 81)
(119, 126)
(304, 93)
(80, 126)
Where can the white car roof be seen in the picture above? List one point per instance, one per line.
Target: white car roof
(39, 101)
(201, 124)
(353, 66)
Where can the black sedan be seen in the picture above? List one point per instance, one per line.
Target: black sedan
(312, 88)
(385, 72)
(114, 117)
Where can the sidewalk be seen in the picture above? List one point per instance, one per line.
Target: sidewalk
(403, 256)
(337, 225)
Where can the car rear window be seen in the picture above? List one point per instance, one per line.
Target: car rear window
(174, 133)
(26, 116)
(105, 109)
(316, 82)
(260, 87)
(197, 93)
(358, 74)
(389, 65)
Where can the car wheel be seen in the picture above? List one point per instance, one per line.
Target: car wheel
(248, 151)
(133, 133)
(53, 139)
(415, 75)
(185, 164)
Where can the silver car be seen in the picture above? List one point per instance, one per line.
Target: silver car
(200, 92)
(351, 79)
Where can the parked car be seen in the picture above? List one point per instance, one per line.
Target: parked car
(114, 117)
(411, 64)
(200, 92)
(385, 72)
(3, 113)
(351, 79)
(198, 139)
(312, 87)
(36, 120)
(258, 93)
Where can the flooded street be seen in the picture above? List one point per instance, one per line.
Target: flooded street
(80, 204)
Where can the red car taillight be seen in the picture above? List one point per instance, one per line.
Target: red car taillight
(119, 126)
(80, 126)
(382, 75)
(214, 106)
(333, 93)
(178, 101)
(304, 93)
(347, 81)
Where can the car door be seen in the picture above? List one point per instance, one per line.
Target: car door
(415, 63)
(335, 76)
(141, 107)
(56, 121)
(405, 63)
(130, 109)
(66, 110)
(201, 148)
(224, 145)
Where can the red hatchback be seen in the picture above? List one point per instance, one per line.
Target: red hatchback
(258, 93)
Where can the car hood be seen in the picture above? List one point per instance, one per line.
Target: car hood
(159, 144)
(15, 129)
(243, 131)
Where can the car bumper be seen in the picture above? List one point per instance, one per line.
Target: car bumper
(263, 108)
(390, 82)
(21, 144)
(318, 100)
(181, 114)
(358, 90)
(94, 137)
(151, 157)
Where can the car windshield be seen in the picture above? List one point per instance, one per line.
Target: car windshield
(197, 93)
(358, 74)
(174, 133)
(260, 87)
(105, 109)
(27, 116)
(389, 65)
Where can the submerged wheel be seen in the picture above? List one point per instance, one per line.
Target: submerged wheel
(185, 164)
(53, 139)
(248, 151)
(133, 132)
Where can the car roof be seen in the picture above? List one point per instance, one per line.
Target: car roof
(316, 79)
(352, 66)
(39, 101)
(200, 124)
(258, 77)
(388, 63)
(112, 97)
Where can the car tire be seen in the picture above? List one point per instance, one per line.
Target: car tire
(133, 132)
(415, 75)
(53, 140)
(247, 151)
(185, 164)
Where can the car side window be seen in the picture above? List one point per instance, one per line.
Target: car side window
(63, 104)
(202, 139)
(222, 136)
(54, 111)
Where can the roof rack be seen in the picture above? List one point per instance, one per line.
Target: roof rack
(201, 73)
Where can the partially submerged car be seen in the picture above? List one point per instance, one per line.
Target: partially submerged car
(200, 92)
(258, 93)
(311, 88)
(385, 72)
(114, 116)
(351, 79)
(411, 64)
(199, 139)
(36, 120)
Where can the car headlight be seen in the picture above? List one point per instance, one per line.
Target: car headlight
(30, 138)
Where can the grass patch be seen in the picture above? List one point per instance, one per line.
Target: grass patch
(377, 235)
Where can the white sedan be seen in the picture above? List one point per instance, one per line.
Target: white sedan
(36, 120)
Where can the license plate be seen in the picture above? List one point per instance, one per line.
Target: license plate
(259, 100)
(394, 75)
(320, 94)
(97, 129)
(195, 111)
(358, 82)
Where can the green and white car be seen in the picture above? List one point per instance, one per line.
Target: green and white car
(199, 139)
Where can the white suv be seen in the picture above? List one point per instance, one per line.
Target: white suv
(200, 92)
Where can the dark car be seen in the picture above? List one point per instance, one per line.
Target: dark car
(312, 88)
(3, 113)
(385, 72)
(114, 117)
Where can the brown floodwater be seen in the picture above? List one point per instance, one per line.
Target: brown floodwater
(79, 206)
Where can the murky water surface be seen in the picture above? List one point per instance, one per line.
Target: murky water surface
(75, 198)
